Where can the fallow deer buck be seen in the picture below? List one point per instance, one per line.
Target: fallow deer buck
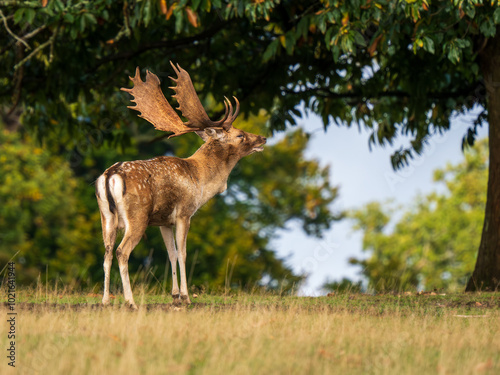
(166, 191)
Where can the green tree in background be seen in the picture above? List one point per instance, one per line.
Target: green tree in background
(433, 243)
(43, 218)
(51, 216)
(394, 67)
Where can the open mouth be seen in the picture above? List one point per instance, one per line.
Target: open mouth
(259, 147)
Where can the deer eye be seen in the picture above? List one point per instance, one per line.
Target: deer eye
(240, 136)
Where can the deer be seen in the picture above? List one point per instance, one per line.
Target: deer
(166, 191)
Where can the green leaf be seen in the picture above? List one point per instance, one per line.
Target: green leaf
(30, 15)
(428, 44)
(496, 16)
(147, 12)
(321, 22)
(470, 10)
(73, 32)
(488, 28)
(360, 40)
(58, 4)
(336, 53)
(329, 39)
(82, 24)
(18, 16)
(68, 17)
(302, 27)
(195, 4)
(289, 42)
(453, 53)
(462, 43)
(271, 50)
(90, 18)
(241, 8)
(179, 21)
(347, 43)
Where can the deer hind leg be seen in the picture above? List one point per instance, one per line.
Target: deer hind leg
(132, 236)
(168, 237)
(109, 223)
(182, 228)
(109, 228)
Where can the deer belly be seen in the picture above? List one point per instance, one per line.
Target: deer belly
(161, 217)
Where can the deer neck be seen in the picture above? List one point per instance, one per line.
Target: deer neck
(214, 163)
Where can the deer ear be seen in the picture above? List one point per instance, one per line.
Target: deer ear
(202, 135)
(213, 133)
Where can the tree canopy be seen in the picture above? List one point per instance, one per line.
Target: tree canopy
(391, 66)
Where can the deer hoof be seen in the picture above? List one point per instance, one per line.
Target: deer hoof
(176, 299)
(185, 299)
(132, 306)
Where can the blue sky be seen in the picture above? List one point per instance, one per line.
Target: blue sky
(362, 177)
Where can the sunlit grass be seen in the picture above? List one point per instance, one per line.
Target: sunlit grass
(65, 333)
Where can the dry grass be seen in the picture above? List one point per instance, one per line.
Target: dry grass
(261, 335)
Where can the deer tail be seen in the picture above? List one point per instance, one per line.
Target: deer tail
(110, 187)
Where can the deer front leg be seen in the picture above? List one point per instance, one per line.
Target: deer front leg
(182, 228)
(168, 237)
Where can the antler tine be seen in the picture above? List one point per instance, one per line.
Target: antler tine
(230, 119)
(137, 75)
(176, 69)
(228, 124)
(237, 110)
(227, 112)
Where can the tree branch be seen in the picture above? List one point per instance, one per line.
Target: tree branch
(39, 48)
(31, 34)
(162, 44)
(11, 33)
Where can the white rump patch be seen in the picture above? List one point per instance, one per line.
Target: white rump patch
(103, 201)
(116, 187)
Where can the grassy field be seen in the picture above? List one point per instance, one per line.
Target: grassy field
(65, 333)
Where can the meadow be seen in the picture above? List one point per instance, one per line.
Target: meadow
(59, 332)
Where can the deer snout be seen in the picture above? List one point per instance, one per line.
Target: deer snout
(258, 144)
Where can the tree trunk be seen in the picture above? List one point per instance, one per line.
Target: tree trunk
(486, 274)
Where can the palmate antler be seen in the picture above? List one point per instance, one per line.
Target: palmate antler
(153, 106)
